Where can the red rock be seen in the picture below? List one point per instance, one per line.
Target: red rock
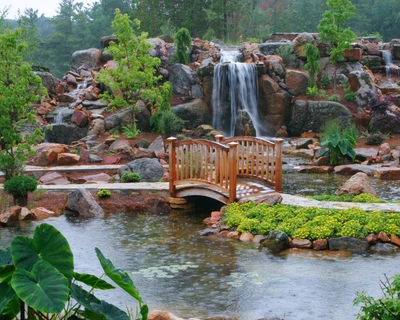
(100, 177)
(66, 159)
(258, 238)
(53, 178)
(395, 240)
(224, 233)
(297, 80)
(42, 110)
(353, 54)
(372, 49)
(60, 89)
(246, 237)
(47, 153)
(162, 315)
(315, 169)
(25, 214)
(301, 243)
(71, 80)
(10, 216)
(234, 235)
(41, 213)
(383, 237)
(215, 216)
(112, 159)
(80, 118)
(371, 239)
(359, 183)
(384, 149)
(388, 173)
(320, 244)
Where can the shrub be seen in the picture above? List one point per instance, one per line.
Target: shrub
(74, 151)
(325, 82)
(19, 186)
(312, 91)
(362, 197)
(375, 139)
(131, 177)
(286, 53)
(103, 193)
(183, 43)
(170, 122)
(131, 131)
(254, 40)
(142, 143)
(334, 97)
(350, 96)
(312, 54)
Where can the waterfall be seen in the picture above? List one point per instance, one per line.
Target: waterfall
(390, 67)
(235, 88)
(60, 115)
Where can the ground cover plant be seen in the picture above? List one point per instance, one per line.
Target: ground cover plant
(363, 198)
(309, 223)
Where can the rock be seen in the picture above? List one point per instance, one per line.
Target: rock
(64, 133)
(80, 118)
(351, 169)
(371, 238)
(139, 153)
(94, 158)
(82, 202)
(383, 237)
(321, 244)
(195, 113)
(98, 178)
(384, 149)
(150, 170)
(301, 243)
(258, 238)
(271, 199)
(244, 125)
(395, 240)
(121, 146)
(246, 237)
(374, 63)
(112, 160)
(372, 49)
(385, 118)
(276, 241)
(157, 145)
(90, 58)
(313, 115)
(25, 214)
(10, 216)
(387, 173)
(47, 153)
(384, 248)
(359, 183)
(348, 244)
(162, 315)
(182, 77)
(234, 235)
(119, 119)
(53, 178)
(271, 48)
(303, 143)
(315, 169)
(67, 159)
(310, 38)
(362, 83)
(354, 54)
(297, 80)
(204, 130)
(97, 104)
(304, 153)
(41, 213)
(208, 232)
(363, 154)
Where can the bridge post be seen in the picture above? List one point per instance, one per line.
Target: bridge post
(172, 166)
(278, 166)
(219, 137)
(232, 170)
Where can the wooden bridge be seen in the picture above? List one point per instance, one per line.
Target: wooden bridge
(226, 170)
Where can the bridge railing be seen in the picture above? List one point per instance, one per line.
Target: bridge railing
(258, 159)
(203, 161)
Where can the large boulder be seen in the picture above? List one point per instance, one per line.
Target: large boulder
(310, 38)
(359, 183)
(342, 69)
(82, 202)
(47, 153)
(182, 78)
(64, 133)
(272, 48)
(276, 241)
(150, 170)
(195, 113)
(297, 80)
(89, 58)
(348, 244)
(385, 119)
(313, 115)
(362, 83)
(49, 81)
(119, 119)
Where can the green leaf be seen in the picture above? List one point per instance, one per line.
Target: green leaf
(110, 311)
(83, 297)
(351, 153)
(11, 310)
(144, 311)
(48, 244)
(120, 277)
(344, 146)
(44, 289)
(5, 257)
(6, 273)
(93, 281)
(6, 295)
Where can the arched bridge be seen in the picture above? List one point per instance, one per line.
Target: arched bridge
(226, 170)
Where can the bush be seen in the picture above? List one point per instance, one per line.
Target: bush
(131, 177)
(334, 97)
(362, 197)
(170, 122)
(286, 53)
(131, 131)
(183, 42)
(142, 143)
(312, 91)
(19, 186)
(103, 193)
(350, 96)
(325, 82)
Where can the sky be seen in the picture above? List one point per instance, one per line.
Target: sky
(47, 7)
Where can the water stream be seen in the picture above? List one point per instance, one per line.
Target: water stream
(195, 276)
(390, 67)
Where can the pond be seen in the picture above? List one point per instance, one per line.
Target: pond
(192, 276)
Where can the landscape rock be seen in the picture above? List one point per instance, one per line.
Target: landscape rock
(258, 238)
(195, 113)
(351, 169)
(385, 118)
(117, 120)
(182, 77)
(10, 216)
(359, 183)
(49, 81)
(271, 199)
(65, 133)
(98, 178)
(233, 235)
(383, 237)
(387, 173)
(25, 214)
(41, 213)
(297, 80)
(315, 169)
(246, 237)
(157, 145)
(95, 158)
(67, 159)
(162, 315)
(149, 169)
(363, 154)
(348, 244)
(53, 178)
(47, 153)
(384, 248)
(395, 240)
(321, 244)
(80, 118)
(121, 146)
(89, 58)
(82, 202)
(301, 243)
(303, 143)
(276, 241)
(371, 238)
(362, 83)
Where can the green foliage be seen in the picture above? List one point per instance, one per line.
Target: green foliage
(387, 307)
(142, 143)
(253, 40)
(340, 141)
(170, 123)
(325, 82)
(20, 185)
(362, 197)
(19, 87)
(39, 272)
(104, 193)
(375, 138)
(74, 151)
(312, 54)
(131, 131)
(168, 28)
(134, 77)
(312, 91)
(311, 223)
(286, 53)
(334, 97)
(209, 35)
(180, 136)
(350, 96)
(131, 177)
(183, 42)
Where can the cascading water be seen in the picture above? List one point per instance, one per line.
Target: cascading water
(390, 67)
(235, 89)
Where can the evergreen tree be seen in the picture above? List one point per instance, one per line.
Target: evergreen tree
(183, 43)
(312, 54)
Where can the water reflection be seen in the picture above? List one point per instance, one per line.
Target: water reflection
(231, 278)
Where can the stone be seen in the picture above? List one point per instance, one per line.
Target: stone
(64, 133)
(182, 77)
(351, 169)
(41, 213)
(276, 241)
(372, 49)
(49, 81)
(297, 80)
(67, 159)
(162, 315)
(271, 199)
(383, 237)
(139, 153)
(10, 215)
(80, 118)
(304, 153)
(303, 143)
(246, 237)
(371, 238)
(172, 200)
(99, 178)
(359, 183)
(385, 118)
(25, 214)
(117, 120)
(387, 173)
(384, 248)
(208, 232)
(150, 170)
(258, 238)
(363, 154)
(195, 113)
(384, 149)
(362, 83)
(354, 54)
(112, 159)
(47, 153)
(94, 158)
(348, 244)
(121, 146)
(82, 202)
(395, 240)
(320, 244)
(89, 58)
(315, 169)
(53, 178)
(301, 243)
(234, 235)
(215, 216)
(157, 145)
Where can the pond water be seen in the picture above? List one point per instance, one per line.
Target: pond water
(195, 276)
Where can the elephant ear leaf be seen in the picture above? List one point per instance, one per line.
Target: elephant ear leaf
(93, 281)
(44, 289)
(110, 311)
(5, 257)
(6, 295)
(120, 277)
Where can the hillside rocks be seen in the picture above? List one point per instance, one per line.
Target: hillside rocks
(89, 58)
(150, 170)
(64, 133)
(362, 83)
